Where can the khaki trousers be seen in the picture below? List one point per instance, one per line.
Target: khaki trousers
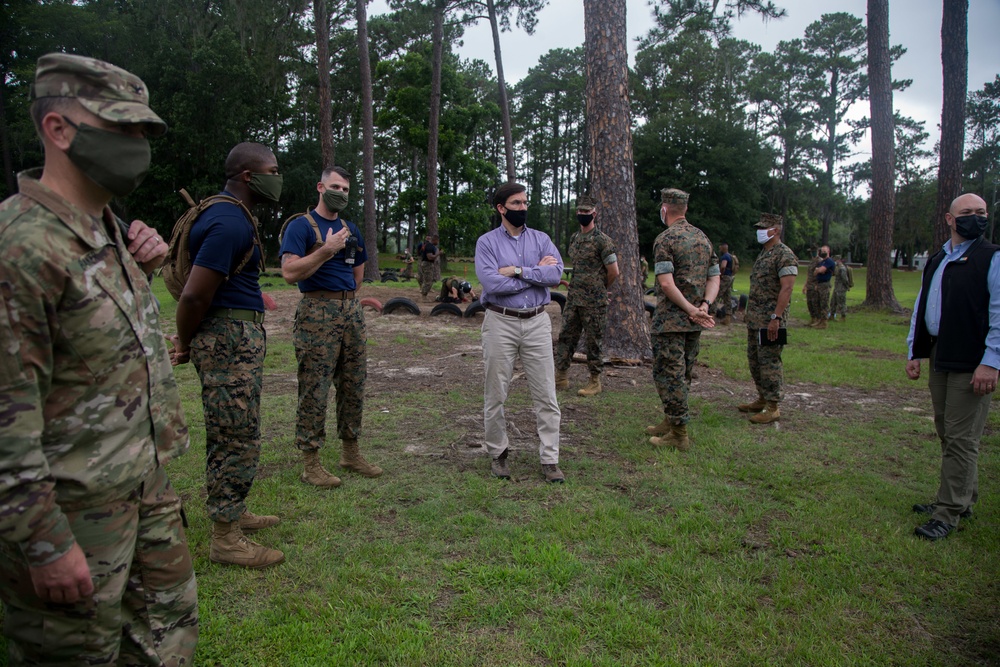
(506, 338)
(959, 416)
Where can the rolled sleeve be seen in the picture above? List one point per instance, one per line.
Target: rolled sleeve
(788, 271)
(663, 267)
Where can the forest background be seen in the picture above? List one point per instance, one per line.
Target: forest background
(743, 129)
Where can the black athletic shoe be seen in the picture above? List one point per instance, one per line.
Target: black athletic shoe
(934, 530)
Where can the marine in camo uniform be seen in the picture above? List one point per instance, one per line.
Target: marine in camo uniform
(329, 334)
(842, 283)
(724, 300)
(771, 284)
(687, 277)
(809, 290)
(823, 274)
(93, 558)
(429, 254)
(220, 328)
(595, 269)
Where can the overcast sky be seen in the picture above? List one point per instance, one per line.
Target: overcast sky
(916, 24)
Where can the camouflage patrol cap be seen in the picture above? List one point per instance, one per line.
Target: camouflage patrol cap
(586, 202)
(768, 220)
(673, 196)
(103, 89)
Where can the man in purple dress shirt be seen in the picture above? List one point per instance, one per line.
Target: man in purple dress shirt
(516, 267)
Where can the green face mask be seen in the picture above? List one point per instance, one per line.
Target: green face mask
(335, 200)
(116, 162)
(267, 186)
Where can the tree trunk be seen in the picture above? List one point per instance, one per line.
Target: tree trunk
(368, 140)
(8, 162)
(955, 71)
(322, 19)
(879, 281)
(508, 137)
(612, 172)
(437, 39)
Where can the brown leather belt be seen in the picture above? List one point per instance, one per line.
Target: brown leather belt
(342, 295)
(515, 312)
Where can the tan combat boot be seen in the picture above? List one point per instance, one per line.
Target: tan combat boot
(660, 429)
(315, 473)
(593, 387)
(351, 459)
(231, 547)
(756, 406)
(820, 324)
(562, 379)
(768, 415)
(727, 320)
(677, 438)
(249, 522)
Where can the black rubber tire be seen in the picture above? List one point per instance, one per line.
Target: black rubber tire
(367, 280)
(743, 302)
(400, 303)
(651, 291)
(390, 276)
(560, 299)
(649, 307)
(443, 308)
(474, 309)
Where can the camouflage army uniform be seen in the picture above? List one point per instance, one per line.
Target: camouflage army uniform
(229, 357)
(765, 283)
(838, 306)
(90, 412)
(587, 302)
(812, 293)
(330, 345)
(683, 250)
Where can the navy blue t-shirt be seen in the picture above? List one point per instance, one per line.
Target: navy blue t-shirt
(429, 249)
(726, 257)
(220, 239)
(335, 274)
(828, 276)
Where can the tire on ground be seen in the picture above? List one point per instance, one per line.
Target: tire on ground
(650, 308)
(560, 299)
(371, 302)
(402, 304)
(446, 308)
(474, 309)
(390, 276)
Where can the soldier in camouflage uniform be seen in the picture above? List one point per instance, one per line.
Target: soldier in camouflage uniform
(220, 328)
(595, 268)
(823, 275)
(429, 254)
(724, 300)
(329, 333)
(687, 277)
(809, 290)
(771, 284)
(843, 282)
(93, 557)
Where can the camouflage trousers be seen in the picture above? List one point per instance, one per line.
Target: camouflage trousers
(765, 367)
(577, 321)
(818, 299)
(229, 357)
(674, 356)
(144, 610)
(330, 339)
(724, 300)
(426, 277)
(838, 305)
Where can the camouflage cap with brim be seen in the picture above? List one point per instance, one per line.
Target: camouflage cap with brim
(768, 220)
(673, 196)
(586, 203)
(103, 89)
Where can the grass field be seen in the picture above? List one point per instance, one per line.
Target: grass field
(779, 545)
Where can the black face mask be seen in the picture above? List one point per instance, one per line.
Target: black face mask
(584, 218)
(822, 255)
(516, 218)
(971, 226)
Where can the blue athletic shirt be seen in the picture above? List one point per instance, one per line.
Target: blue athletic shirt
(220, 239)
(334, 274)
(828, 276)
(729, 267)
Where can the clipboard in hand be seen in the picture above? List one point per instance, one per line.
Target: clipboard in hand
(764, 342)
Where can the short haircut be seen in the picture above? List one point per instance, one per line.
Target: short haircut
(340, 171)
(676, 209)
(46, 105)
(246, 156)
(505, 192)
(723, 245)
